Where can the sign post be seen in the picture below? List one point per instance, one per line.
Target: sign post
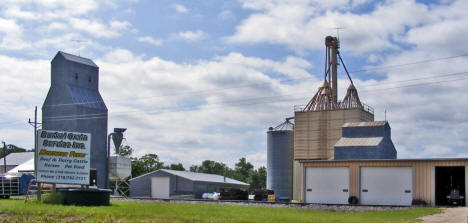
(63, 157)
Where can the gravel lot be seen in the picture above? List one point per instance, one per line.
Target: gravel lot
(339, 208)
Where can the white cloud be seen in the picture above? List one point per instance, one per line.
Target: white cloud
(47, 9)
(150, 40)
(302, 25)
(180, 8)
(437, 151)
(192, 35)
(100, 30)
(12, 35)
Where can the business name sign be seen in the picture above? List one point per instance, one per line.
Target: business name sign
(63, 157)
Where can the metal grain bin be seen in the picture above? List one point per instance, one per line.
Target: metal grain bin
(280, 145)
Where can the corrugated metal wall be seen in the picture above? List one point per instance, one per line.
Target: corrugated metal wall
(423, 174)
(316, 132)
(280, 162)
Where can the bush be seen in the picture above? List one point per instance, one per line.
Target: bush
(54, 198)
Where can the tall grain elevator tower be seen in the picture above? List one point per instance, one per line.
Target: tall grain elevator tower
(318, 124)
(74, 104)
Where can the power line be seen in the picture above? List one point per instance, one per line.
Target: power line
(243, 102)
(407, 64)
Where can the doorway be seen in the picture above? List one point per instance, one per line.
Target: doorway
(450, 185)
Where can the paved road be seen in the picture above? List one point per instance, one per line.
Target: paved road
(458, 214)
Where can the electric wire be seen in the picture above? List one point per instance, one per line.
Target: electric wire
(239, 103)
(250, 85)
(75, 117)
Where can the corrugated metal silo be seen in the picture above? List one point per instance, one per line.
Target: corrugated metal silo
(280, 145)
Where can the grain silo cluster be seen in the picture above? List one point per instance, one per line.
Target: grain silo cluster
(341, 155)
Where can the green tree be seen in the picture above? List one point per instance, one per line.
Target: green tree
(145, 164)
(243, 169)
(178, 166)
(126, 150)
(209, 166)
(257, 179)
(11, 149)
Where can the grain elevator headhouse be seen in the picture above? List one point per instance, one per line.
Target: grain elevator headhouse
(74, 104)
(318, 124)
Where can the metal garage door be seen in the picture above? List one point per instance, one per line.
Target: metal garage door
(386, 185)
(160, 187)
(327, 185)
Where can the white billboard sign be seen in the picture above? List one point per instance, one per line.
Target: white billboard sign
(63, 157)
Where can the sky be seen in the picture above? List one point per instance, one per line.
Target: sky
(197, 80)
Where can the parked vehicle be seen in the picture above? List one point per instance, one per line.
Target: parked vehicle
(233, 194)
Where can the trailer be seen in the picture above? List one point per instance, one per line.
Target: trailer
(14, 184)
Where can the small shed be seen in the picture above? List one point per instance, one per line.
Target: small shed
(173, 183)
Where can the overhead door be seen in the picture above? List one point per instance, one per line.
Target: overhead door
(160, 187)
(327, 185)
(386, 185)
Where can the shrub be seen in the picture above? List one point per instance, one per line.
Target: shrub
(54, 198)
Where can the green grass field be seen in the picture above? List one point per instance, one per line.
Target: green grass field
(18, 211)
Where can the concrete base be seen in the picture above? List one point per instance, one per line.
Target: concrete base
(85, 197)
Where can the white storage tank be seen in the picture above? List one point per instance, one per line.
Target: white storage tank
(119, 167)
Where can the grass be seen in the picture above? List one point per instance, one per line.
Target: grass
(18, 211)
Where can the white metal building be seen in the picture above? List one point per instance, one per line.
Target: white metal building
(170, 183)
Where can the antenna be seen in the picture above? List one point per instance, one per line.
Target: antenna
(78, 41)
(338, 31)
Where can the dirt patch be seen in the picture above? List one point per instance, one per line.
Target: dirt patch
(458, 214)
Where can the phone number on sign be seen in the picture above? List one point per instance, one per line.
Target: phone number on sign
(59, 177)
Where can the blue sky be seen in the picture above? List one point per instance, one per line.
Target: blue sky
(196, 80)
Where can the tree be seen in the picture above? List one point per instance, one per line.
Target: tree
(125, 150)
(145, 164)
(175, 167)
(212, 167)
(257, 179)
(11, 149)
(243, 169)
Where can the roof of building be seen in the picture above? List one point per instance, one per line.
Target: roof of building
(364, 124)
(370, 141)
(388, 160)
(285, 126)
(78, 59)
(87, 97)
(199, 177)
(16, 159)
(28, 166)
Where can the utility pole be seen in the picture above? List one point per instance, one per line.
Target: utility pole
(35, 125)
(4, 157)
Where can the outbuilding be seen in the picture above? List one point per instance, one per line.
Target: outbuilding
(385, 182)
(15, 159)
(173, 183)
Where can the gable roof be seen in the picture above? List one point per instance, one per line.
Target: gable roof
(28, 166)
(77, 59)
(364, 124)
(199, 177)
(17, 158)
(371, 141)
